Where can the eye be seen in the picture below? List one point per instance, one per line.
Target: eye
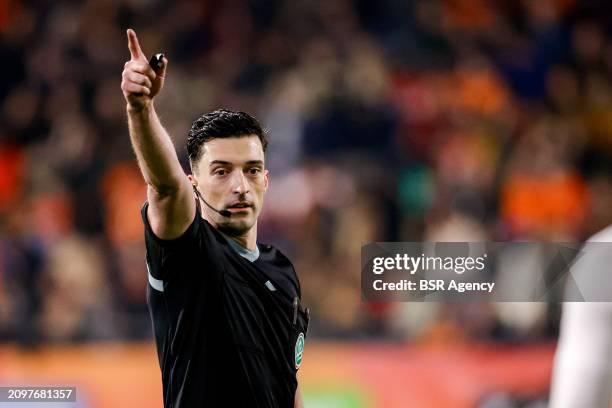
(254, 171)
(220, 172)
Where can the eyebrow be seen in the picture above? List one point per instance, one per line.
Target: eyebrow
(226, 163)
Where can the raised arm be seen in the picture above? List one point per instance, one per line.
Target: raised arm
(169, 192)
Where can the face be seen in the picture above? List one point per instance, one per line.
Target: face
(231, 176)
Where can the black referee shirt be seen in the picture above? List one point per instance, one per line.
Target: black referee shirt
(229, 332)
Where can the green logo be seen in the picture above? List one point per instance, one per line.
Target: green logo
(299, 350)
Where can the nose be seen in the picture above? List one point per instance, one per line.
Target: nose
(240, 184)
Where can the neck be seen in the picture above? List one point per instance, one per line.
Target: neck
(248, 239)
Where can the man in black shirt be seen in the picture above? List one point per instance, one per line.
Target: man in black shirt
(226, 312)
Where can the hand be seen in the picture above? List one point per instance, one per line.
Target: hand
(140, 83)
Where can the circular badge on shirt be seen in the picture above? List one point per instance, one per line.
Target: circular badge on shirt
(299, 350)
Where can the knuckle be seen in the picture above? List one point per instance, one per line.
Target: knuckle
(150, 73)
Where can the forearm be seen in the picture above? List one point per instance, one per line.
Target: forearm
(154, 150)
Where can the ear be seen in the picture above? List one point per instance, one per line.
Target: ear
(193, 180)
(266, 178)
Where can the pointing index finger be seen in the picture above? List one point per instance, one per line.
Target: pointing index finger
(134, 46)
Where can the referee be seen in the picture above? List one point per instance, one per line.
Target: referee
(228, 322)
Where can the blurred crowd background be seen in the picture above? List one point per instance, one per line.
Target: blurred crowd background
(388, 120)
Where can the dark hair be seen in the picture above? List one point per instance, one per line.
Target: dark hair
(222, 123)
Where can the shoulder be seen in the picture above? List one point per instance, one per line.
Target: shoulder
(167, 258)
(271, 254)
(150, 236)
(198, 227)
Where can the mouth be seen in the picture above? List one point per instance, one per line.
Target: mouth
(239, 207)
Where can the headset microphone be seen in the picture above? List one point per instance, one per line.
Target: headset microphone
(224, 213)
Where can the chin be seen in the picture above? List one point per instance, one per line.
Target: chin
(238, 226)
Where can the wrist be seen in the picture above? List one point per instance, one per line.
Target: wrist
(140, 109)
